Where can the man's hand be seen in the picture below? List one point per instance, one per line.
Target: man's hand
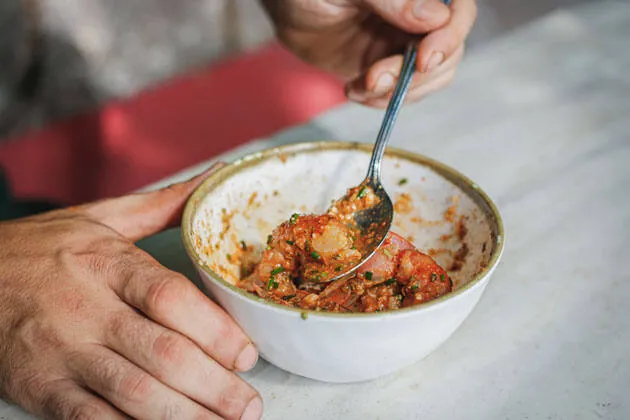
(363, 40)
(92, 327)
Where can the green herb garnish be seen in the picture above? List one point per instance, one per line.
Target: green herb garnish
(304, 315)
(339, 268)
(402, 181)
(243, 245)
(433, 277)
(229, 257)
(315, 255)
(368, 275)
(290, 242)
(294, 218)
(268, 239)
(442, 277)
(272, 284)
(288, 297)
(277, 270)
(414, 287)
(390, 282)
(362, 192)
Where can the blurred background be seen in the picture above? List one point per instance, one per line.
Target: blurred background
(99, 97)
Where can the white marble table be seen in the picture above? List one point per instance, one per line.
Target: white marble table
(541, 120)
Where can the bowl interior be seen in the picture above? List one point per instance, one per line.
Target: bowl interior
(440, 211)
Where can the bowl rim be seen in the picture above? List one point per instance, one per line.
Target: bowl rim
(461, 181)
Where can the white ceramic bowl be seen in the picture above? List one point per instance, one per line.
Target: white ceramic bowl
(247, 199)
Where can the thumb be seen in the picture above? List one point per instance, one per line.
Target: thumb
(137, 216)
(413, 16)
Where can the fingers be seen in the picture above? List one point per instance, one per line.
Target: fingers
(179, 363)
(132, 390)
(174, 302)
(369, 91)
(136, 216)
(413, 16)
(66, 400)
(441, 43)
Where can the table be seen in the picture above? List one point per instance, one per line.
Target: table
(540, 119)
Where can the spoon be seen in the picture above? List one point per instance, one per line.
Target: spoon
(373, 223)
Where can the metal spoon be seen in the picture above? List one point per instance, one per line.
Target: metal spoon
(373, 223)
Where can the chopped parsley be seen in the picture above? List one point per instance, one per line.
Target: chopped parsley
(288, 297)
(290, 242)
(403, 181)
(315, 255)
(442, 277)
(368, 275)
(304, 315)
(294, 218)
(268, 239)
(339, 268)
(229, 257)
(243, 245)
(414, 287)
(362, 192)
(272, 284)
(389, 282)
(433, 277)
(277, 270)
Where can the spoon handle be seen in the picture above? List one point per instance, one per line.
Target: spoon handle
(395, 103)
(393, 108)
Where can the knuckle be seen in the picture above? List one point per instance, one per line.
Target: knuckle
(162, 293)
(135, 386)
(85, 411)
(118, 325)
(170, 348)
(24, 387)
(234, 399)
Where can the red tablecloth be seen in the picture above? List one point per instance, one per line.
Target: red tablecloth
(130, 143)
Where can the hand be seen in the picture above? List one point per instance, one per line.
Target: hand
(92, 327)
(363, 41)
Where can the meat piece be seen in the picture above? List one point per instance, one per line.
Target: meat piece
(421, 277)
(382, 265)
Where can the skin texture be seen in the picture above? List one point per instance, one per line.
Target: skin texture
(93, 327)
(363, 40)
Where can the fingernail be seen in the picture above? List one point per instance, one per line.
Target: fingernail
(427, 10)
(247, 359)
(254, 409)
(435, 60)
(384, 83)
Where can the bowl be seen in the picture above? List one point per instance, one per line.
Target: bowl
(440, 210)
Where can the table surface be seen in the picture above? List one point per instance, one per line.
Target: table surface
(540, 119)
